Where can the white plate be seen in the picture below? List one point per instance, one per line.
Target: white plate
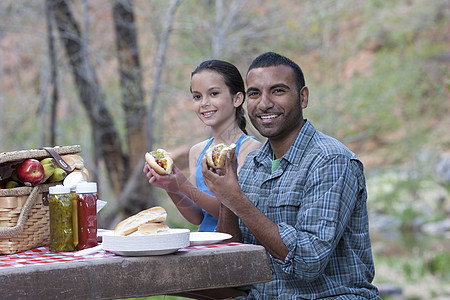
(143, 245)
(207, 238)
(103, 232)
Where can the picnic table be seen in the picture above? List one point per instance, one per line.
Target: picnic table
(40, 274)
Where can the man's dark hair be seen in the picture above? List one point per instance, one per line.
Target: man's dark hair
(272, 59)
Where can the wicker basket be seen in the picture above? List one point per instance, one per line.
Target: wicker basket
(24, 215)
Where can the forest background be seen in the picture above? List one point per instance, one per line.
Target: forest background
(113, 77)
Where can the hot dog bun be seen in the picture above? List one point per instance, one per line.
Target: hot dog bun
(160, 161)
(131, 224)
(74, 161)
(153, 228)
(215, 156)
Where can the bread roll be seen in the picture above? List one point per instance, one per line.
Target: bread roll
(215, 156)
(160, 161)
(131, 224)
(74, 161)
(153, 228)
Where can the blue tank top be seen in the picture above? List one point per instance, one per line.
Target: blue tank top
(209, 222)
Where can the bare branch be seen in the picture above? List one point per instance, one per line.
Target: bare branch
(159, 63)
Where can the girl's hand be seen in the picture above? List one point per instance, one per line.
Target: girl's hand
(170, 182)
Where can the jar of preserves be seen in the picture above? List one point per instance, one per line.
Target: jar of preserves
(61, 221)
(86, 193)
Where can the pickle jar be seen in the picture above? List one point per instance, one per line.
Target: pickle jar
(71, 181)
(86, 193)
(61, 220)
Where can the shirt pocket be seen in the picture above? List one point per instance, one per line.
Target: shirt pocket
(284, 206)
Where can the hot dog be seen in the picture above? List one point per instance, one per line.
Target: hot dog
(215, 156)
(160, 161)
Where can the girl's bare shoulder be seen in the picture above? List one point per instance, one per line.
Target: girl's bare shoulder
(251, 144)
(194, 153)
(196, 149)
(248, 146)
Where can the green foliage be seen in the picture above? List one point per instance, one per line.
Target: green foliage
(439, 264)
(414, 261)
(414, 269)
(407, 194)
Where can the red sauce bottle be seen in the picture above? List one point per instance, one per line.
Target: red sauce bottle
(87, 214)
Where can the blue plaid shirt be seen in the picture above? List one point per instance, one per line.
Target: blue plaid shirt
(317, 197)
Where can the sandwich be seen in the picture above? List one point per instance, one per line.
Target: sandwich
(216, 155)
(160, 161)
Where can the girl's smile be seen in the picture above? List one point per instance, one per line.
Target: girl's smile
(209, 113)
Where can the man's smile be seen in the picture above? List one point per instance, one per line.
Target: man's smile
(267, 118)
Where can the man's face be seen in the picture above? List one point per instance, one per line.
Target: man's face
(274, 106)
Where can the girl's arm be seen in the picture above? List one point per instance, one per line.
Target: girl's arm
(171, 183)
(189, 189)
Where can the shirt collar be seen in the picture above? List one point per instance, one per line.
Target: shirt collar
(296, 150)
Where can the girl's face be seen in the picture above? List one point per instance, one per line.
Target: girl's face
(213, 103)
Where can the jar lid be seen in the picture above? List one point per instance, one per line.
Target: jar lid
(73, 179)
(86, 187)
(59, 189)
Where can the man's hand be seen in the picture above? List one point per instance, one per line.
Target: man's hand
(223, 183)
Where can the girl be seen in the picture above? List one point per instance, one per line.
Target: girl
(218, 94)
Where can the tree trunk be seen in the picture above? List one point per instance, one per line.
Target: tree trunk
(138, 193)
(54, 73)
(106, 138)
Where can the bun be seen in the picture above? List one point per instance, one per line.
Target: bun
(160, 161)
(74, 161)
(131, 224)
(215, 156)
(153, 228)
(84, 172)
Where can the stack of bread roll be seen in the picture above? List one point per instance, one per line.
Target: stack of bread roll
(76, 162)
(146, 222)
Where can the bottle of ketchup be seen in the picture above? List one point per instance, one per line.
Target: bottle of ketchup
(86, 193)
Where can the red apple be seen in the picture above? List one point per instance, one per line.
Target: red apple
(30, 172)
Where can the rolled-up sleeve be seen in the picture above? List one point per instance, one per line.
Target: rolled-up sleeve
(328, 198)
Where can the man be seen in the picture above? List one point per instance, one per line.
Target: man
(302, 195)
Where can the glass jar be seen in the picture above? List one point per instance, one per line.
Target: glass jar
(74, 216)
(61, 220)
(87, 197)
(71, 181)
